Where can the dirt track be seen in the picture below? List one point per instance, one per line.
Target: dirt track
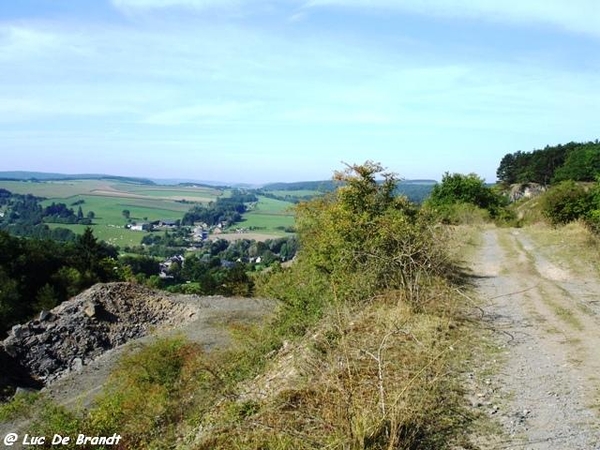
(544, 326)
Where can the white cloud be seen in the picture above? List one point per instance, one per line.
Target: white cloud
(334, 116)
(129, 5)
(21, 41)
(199, 113)
(582, 16)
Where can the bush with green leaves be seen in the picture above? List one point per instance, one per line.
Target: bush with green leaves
(456, 191)
(364, 238)
(566, 202)
(593, 215)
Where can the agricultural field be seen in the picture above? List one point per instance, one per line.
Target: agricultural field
(114, 235)
(108, 198)
(65, 189)
(269, 216)
(145, 203)
(295, 193)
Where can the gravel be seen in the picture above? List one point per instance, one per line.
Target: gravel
(540, 386)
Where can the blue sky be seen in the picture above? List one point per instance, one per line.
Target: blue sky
(256, 91)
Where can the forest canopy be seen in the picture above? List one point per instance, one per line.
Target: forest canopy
(572, 161)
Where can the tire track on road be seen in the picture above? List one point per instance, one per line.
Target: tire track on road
(545, 396)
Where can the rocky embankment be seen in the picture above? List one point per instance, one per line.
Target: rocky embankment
(81, 329)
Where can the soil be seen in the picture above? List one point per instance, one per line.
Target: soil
(208, 327)
(539, 382)
(204, 320)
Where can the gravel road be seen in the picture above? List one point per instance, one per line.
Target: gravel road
(544, 328)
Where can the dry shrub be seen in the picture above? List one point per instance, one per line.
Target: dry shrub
(369, 378)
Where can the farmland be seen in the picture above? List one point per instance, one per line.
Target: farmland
(108, 198)
(146, 203)
(269, 216)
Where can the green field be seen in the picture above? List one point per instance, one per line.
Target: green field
(53, 189)
(147, 203)
(109, 210)
(108, 198)
(113, 235)
(297, 193)
(268, 215)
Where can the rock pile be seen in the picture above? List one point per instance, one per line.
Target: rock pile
(81, 329)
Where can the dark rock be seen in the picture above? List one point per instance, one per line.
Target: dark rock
(45, 316)
(24, 391)
(17, 331)
(10, 349)
(83, 328)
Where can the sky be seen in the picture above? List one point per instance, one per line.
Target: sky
(255, 91)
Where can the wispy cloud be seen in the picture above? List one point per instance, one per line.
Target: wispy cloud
(131, 5)
(18, 41)
(581, 16)
(334, 116)
(184, 78)
(200, 113)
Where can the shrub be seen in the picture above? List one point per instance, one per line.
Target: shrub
(565, 202)
(19, 406)
(363, 238)
(149, 389)
(451, 198)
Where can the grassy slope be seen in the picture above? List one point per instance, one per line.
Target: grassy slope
(357, 373)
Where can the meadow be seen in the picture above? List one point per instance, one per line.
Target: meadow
(108, 198)
(269, 216)
(145, 203)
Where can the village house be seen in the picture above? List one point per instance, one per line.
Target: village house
(142, 226)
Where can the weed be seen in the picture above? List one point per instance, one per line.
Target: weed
(20, 405)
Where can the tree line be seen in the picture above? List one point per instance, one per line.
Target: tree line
(224, 209)
(572, 161)
(23, 215)
(38, 274)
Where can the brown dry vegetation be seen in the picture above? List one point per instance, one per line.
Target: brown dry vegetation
(373, 376)
(364, 352)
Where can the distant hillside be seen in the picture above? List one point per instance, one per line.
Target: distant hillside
(415, 190)
(320, 186)
(190, 182)
(327, 185)
(46, 176)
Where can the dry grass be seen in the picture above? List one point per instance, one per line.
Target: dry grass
(379, 376)
(462, 242)
(529, 211)
(371, 374)
(572, 243)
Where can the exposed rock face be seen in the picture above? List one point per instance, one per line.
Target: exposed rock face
(525, 190)
(81, 329)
